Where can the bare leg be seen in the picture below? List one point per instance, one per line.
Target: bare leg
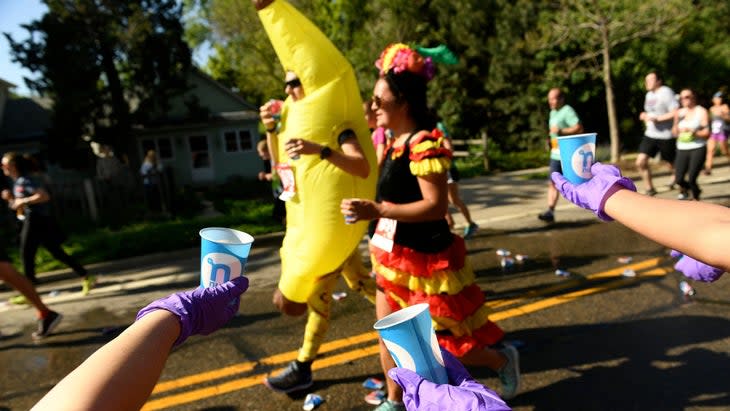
(553, 196)
(642, 164)
(486, 357)
(455, 199)
(382, 308)
(711, 145)
(10, 275)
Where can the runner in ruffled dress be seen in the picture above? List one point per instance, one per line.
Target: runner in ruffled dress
(415, 257)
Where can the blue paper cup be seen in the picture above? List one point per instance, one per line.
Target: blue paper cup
(223, 255)
(577, 155)
(408, 334)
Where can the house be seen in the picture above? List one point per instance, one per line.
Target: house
(23, 121)
(209, 151)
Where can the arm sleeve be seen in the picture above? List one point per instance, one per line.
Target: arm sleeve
(428, 156)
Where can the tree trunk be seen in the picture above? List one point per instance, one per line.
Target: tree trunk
(608, 84)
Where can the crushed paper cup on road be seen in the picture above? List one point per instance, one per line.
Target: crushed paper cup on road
(373, 383)
(507, 262)
(562, 273)
(339, 296)
(520, 258)
(503, 253)
(376, 397)
(686, 289)
(629, 273)
(312, 401)
(624, 259)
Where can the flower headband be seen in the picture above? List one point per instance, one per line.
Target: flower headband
(400, 57)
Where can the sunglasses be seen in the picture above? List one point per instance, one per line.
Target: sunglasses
(293, 83)
(685, 97)
(380, 103)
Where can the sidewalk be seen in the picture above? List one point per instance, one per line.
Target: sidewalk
(503, 201)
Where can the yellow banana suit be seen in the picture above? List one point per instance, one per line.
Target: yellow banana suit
(318, 245)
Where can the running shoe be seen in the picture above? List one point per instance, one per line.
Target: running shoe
(88, 284)
(548, 216)
(683, 195)
(389, 405)
(46, 325)
(18, 300)
(509, 374)
(295, 377)
(470, 230)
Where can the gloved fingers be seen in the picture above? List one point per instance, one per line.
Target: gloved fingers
(455, 369)
(407, 379)
(675, 254)
(605, 169)
(558, 180)
(237, 286)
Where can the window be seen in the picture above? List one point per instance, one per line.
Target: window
(231, 144)
(199, 151)
(245, 140)
(237, 140)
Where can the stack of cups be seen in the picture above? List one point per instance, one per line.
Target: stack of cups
(223, 255)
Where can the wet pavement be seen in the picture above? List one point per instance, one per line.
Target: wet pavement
(597, 338)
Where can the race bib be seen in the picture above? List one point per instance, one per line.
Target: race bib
(384, 234)
(286, 176)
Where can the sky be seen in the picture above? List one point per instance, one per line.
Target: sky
(13, 13)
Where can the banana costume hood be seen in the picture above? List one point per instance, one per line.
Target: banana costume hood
(317, 240)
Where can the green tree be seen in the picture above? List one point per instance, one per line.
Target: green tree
(586, 34)
(95, 57)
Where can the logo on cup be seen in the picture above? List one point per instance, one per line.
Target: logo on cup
(401, 356)
(218, 268)
(582, 160)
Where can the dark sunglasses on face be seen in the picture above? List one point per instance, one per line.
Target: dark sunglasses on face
(379, 102)
(293, 83)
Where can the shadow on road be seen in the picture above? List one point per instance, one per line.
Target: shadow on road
(648, 364)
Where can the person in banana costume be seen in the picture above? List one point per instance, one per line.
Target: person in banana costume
(322, 151)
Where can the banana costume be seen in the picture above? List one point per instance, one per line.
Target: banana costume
(317, 240)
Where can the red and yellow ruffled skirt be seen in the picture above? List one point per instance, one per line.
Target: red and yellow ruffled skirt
(444, 280)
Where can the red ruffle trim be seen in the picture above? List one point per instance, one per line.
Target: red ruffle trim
(488, 334)
(457, 307)
(421, 264)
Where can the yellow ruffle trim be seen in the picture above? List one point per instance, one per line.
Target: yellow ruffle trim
(430, 166)
(449, 282)
(465, 327)
(427, 143)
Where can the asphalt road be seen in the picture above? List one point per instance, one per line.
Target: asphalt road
(595, 339)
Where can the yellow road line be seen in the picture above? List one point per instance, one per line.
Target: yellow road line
(246, 382)
(356, 353)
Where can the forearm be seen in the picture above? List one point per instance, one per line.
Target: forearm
(693, 228)
(418, 211)
(356, 165)
(570, 130)
(122, 373)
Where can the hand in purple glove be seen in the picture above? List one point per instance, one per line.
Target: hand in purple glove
(203, 310)
(696, 270)
(592, 194)
(467, 394)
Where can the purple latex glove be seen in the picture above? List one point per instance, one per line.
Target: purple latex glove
(467, 394)
(696, 270)
(202, 310)
(592, 194)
